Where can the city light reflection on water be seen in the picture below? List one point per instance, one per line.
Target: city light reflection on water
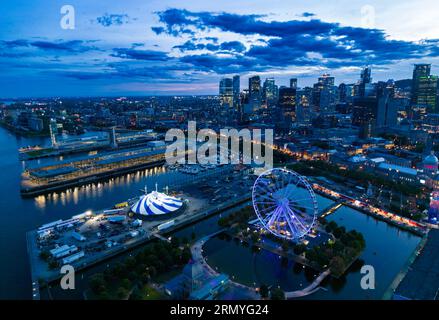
(97, 189)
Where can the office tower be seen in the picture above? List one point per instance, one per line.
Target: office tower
(236, 92)
(426, 95)
(366, 75)
(255, 92)
(342, 92)
(287, 106)
(254, 86)
(364, 115)
(365, 88)
(419, 71)
(324, 94)
(270, 92)
(226, 92)
(387, 109)
(293, 83)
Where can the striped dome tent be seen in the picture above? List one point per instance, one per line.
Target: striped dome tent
(156, 203)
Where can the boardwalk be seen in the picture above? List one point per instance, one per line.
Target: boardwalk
(313, 287)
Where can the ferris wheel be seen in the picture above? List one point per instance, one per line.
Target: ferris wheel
(285, 203)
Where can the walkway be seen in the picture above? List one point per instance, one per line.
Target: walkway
(197, 256)
(313, 287)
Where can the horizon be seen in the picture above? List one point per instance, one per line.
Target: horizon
(169, 48)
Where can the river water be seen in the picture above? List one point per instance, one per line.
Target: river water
(387, 248)
(19, 215)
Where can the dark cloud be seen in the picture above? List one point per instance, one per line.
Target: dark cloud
(233, 46)
(18, 47)
(158, 30)
(230, 46)
(129, 53)
(108, 20)
(307, 14)
(290, 43)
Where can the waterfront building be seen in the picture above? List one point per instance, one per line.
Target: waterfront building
(394, 172)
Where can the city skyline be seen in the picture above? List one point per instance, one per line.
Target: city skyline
(168, 48)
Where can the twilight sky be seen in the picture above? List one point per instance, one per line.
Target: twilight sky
(151, 47)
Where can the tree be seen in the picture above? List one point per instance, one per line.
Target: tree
(337, 265)
(285, 246)
(44, 255)
(97, 283)
(122, 293)
(277, 294)
(263, 291)
(125, 283)
(53, 264)
(175, 242)
(299, 249)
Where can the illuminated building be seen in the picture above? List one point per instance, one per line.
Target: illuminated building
(226, 92)
(430, 164)
(157, 204)
(433, 211)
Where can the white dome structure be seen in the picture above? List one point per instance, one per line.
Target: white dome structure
(156, 204)
(430, 164)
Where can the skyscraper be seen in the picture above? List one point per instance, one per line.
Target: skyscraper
(387, 109)
(226, 92)
(364, 115)
(236, 92)
(287, 106)
(426, 95)
(366, 75)
(255, 92)
(324, 93)
(270, 92)
(293, 83)
(365, 87)
(419, 71)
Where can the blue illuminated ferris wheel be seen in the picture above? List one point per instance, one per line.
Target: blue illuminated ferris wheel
(285, 203)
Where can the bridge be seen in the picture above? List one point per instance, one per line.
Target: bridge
(154, 234)
(331, 208)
